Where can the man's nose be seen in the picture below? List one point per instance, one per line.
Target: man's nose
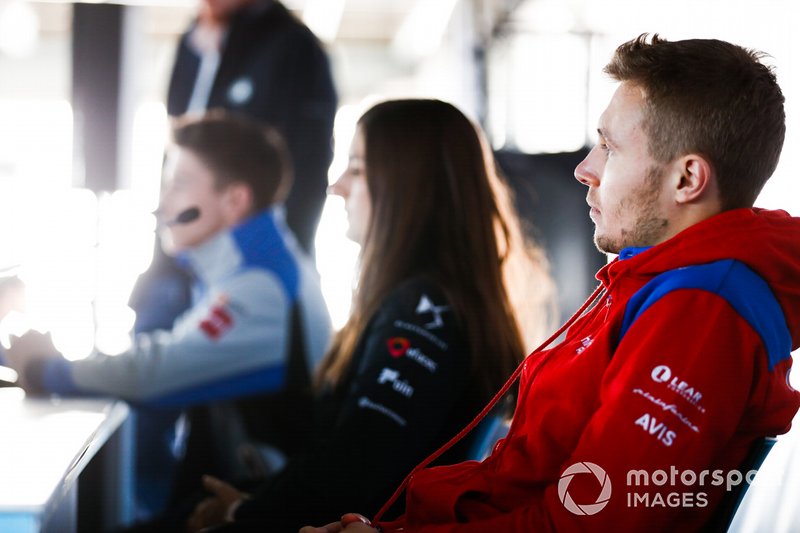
(587, 171)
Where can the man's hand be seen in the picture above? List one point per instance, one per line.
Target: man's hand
(213, 511)
(350, 523)
(32, 346)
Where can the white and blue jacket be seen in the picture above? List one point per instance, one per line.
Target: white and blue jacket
(232, 342)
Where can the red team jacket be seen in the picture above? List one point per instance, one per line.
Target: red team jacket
(640, 418)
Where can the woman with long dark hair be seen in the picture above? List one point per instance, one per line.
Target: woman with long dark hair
(449, 298)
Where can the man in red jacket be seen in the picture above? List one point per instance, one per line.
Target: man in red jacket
(641, 417)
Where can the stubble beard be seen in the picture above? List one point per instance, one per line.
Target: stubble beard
(649, 225)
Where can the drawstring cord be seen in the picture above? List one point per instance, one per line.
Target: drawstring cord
(485, 411)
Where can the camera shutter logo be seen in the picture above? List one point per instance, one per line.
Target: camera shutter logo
(588, 508)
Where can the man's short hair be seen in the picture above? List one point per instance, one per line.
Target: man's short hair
(238, 150)
(708, 97)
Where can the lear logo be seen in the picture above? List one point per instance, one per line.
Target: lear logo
(587, 508)
(663, 374)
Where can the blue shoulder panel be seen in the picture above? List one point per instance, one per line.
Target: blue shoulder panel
(732, 280)
(262, 245)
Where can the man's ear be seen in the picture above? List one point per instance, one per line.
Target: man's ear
(696, 180)
(240, 201)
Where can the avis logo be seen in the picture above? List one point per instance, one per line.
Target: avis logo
(658, 429)
(586, 508)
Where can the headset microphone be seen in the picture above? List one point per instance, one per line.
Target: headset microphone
(184, 217)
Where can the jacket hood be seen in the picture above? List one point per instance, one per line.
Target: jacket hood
(766, 241)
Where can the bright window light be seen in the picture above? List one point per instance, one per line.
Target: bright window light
(336, 255)
(19, 28)
(78, 255)
(124, 250)
(547, 95)
(58, 264)
(323, 17)
(150, 135)
(422, 31)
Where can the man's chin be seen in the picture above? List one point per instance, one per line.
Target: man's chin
(605, 245)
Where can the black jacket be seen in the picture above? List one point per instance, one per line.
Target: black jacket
(408, 391)
(273, 69)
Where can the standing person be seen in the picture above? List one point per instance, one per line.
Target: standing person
(682, 364)
(434, 329)
(255, 294)
(255, 58)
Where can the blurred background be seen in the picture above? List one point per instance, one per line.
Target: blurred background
(83, 126)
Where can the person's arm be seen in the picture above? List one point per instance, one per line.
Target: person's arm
(229, 346)
(677, 396)
(408, 383)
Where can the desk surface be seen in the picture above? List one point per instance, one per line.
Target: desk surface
(46, 443)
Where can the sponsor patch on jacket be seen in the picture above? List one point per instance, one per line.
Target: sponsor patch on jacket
(669, 408)
(392, 377)
(401, 346)
(422, 332)
(219, 320)
(366, 403)
(656, 428)
(585, 343)
(426, 306)
(663, 374)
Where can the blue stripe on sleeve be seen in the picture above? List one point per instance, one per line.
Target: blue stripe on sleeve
(252, 382)
(56, 377)
(732, 280)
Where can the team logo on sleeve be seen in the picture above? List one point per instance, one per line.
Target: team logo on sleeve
(668, 408)
(400, 346)
(219, 320)
(663, 374)
(425, 305)
(366, 403)
(392, 377)
(656, 428)
(585, 343)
